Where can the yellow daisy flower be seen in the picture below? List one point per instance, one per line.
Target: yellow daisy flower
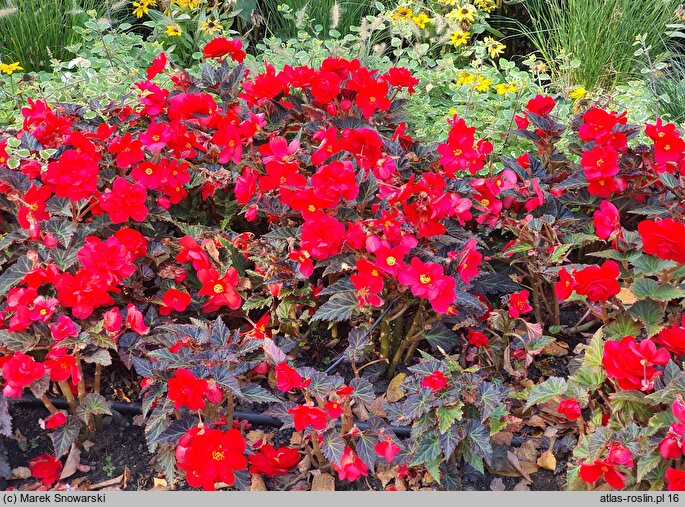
(403, 13)
(482, 84)
(173, 31)
(465, 78)
(10, 68)
(486, 5)
(421, 20)
(142, 7)
(578, 93)
(504, 88)
(494, 47)
(459, 38)
(210, 27)
(465, 14)
(187, 4)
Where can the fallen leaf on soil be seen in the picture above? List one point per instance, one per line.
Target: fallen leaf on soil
(257, 483)
(521, 486)
(536, 421)
(120, 395)
(550, 407)
(108, 483)
(526, 382)
(386, 472)
(296, 439)
(547, 461)
(516, 463)
(400, 485)
(300, 486)
(80, 484)
(323, 482)
(304, 465)
(139, 420)
(395, 392)
(497, 484)
(555, 349)
(159, 483)
(255, 435)
(514, 423)
(88, 444)
(111, 488)
(126, 477)
(72, 463)
(499, 463)
(502, 438)
(20, 439)
(20, 473)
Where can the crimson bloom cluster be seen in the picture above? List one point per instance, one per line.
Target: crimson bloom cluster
(217, 229)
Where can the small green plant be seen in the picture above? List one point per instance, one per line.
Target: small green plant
(108, 467)
(599, 32)
(36, 32)
(283, 18)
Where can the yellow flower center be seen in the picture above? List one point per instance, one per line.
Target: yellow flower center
(391, 261)
(485, 202)
(218, 288)
(149, 171)
(217, 455)
(425, 279)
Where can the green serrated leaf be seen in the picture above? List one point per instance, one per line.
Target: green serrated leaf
(644, 288)
(448, 415)
(540, 393)
(622, 326)
(14, 274)
(428, 449)
(333, 446)
(257, 394)
(338, 308)
(65, 435)
(646, 464)
(257, 302)
(651, 315)
(283, 233)
(92, 404)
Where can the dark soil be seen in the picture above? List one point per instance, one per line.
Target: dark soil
(117, 445)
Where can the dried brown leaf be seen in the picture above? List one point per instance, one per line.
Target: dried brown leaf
(547, 461)
(395, 392)
(257, 483)
(72, 462)
(323, 482)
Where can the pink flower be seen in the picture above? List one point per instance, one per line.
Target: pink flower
(607, 221)
(351, 466)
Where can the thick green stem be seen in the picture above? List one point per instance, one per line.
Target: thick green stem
(407, 341)
(82, 383)
(48, 404)
(66, 391)
(386, 339)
